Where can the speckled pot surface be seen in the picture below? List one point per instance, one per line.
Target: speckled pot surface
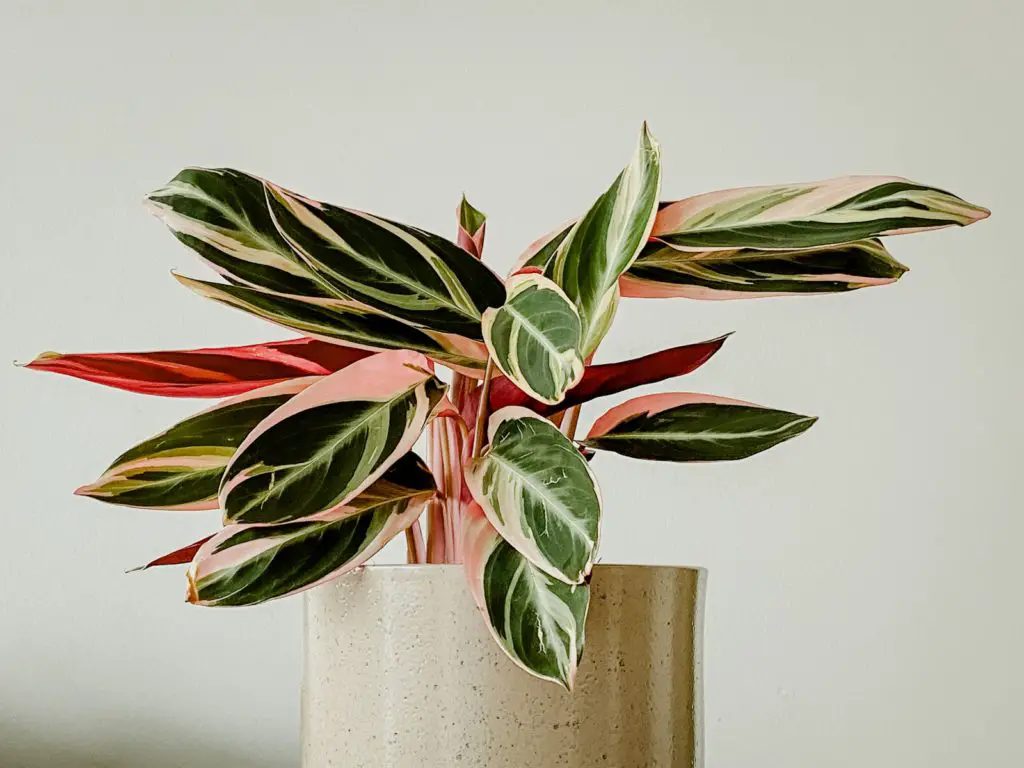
(400, 671)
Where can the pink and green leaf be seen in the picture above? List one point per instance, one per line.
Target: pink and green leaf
(321, 449)
(472, 228)
(208, 372)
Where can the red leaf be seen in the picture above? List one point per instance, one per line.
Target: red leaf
(177, 557)
(212, 372)
(606, 379)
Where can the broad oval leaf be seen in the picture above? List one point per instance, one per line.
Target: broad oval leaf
(603, 244)
(537, 620)
(346, 322)
(324, 447)
(209, 372)
(407, 273)
(683, 426)
(472, 228)
(222, 215)
(819, 213)
(181, 468)
(534, 338)
(249, 564)
(539, 492)
(746, 273)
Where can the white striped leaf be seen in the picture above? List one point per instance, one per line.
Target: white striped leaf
(541, 251)
(181, 468)
(604, 243)
(249, 564)
(678, 426)
(325, 446)
(222, 215)
(403, 271)
(662, 271)
(808, 215)
(538, 491)
(537, 620)
(534, 338)
(472, 228)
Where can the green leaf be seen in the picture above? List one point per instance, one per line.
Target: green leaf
(249, 564)
(542, 251)
(402, 271)
(537, 620)
(539, 493)
(679, 426)
(346, 322)
(222, 215)
(603, 244)
(181, 468)
(809, 215)
(534, 338)
(746, 273)
(472, 228)
(325, 446)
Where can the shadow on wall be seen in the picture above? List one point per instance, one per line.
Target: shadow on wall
(139, 745)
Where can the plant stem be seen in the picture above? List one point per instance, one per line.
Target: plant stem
(415, 547)
(572, 418)
(483, 410)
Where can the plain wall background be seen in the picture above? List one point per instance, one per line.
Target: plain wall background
(864, 603)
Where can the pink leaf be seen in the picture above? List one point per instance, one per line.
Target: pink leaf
(181, 556)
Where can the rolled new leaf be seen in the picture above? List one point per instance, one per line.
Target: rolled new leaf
(222, 215)
(181, 468)
(534, 338)
(683, 426)
(819, 213)
(537, 620)
(249, 564)
(662, 271)
(209, 372)
(407, 273)
(603, 244)
(346, 322)
(314, 454)
(539, 493)
(472, 228)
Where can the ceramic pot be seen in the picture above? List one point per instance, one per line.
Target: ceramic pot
(401, 672)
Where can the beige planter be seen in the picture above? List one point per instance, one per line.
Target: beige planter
(400, 671)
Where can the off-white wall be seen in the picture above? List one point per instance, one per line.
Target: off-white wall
(864, 604)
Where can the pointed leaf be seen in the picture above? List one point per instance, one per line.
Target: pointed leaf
(541, 251)
(181, 556)
(603, 244)
(808, 215)
(538, 621)
(249, 564)
(209, 372)
(472, 228)
(539, 492)
(402, 271)
(665, 272)
(222, 215)
(679, 426)
(181, 468)
(324, 447)
(346, 322)
(534, 338)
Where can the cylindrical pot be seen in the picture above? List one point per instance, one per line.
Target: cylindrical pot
(401, 671)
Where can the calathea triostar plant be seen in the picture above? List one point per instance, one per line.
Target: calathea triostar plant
(309, 452)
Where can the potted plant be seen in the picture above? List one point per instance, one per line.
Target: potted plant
(309, 451)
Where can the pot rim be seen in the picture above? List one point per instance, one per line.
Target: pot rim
(597, 567)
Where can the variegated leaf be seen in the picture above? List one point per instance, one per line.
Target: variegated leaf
(537, 490)
(209, 372)
(826, 212)
(472, 228)
(249, 564)
(181, 468)
(222, 215)
(603, 244)
(677, 426)
(324, 447)
(534, 338)
(537, 620)
(746, 273)
(346, 322)
(407, 273)
(541, 251)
